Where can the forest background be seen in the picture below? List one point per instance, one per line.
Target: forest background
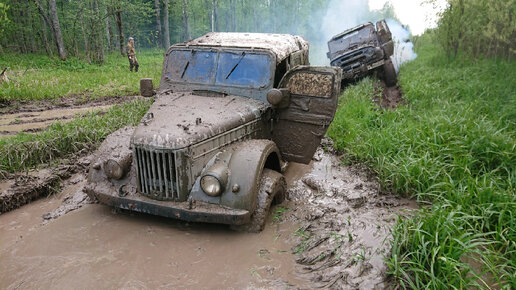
(92, 28)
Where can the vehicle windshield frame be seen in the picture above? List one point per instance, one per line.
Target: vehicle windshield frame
(337, 44)
(213, 80)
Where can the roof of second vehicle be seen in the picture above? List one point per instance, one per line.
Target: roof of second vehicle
(279, 44)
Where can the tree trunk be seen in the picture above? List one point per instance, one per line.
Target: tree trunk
(185, 18)
(118, 16)
(31, 28)
(166, 28)
(158, 23)
(56, 28)
(214, 17)
(109, 33)
(97, 32)
(85, 38)
(44, 36)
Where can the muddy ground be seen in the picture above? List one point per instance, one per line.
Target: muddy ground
(331, 233)
(36, 116)
(388, 97)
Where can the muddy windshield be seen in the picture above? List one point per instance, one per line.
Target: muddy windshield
(221, 68)
(352, 39)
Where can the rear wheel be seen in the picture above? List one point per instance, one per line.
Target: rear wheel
(389, 73)
(272, 189)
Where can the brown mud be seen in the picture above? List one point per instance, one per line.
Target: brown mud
(332, 233)
(35, 116)
(388, 97)
(344, 224)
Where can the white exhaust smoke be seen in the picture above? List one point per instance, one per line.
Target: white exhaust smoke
(403, 48)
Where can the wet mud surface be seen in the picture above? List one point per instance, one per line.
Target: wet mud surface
(332, 233)
(36, 116)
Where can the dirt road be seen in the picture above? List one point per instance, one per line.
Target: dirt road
(331, 233)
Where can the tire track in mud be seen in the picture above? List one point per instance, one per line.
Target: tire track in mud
(35, 117)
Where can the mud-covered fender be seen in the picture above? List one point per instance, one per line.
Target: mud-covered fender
(115, 147)
(245, 162)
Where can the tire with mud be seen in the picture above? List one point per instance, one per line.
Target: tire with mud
(272, 190)
(389, 74)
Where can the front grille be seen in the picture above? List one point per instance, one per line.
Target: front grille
(156, 173)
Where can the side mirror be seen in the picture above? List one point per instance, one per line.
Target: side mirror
(279, 98)
(328, 55)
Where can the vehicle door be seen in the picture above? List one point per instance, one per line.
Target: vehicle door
(314, 93)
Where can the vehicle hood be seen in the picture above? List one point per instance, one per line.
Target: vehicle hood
(177, 120)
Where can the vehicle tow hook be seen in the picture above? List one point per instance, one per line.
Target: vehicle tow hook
(121, 192)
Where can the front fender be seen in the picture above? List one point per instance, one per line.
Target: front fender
(116, 146)
(245, 162)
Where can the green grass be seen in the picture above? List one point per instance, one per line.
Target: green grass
(453, 147)
(37, 77)
(58, 141)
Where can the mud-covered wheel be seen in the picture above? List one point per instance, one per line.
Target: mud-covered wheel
(389, 74)
(272, 190)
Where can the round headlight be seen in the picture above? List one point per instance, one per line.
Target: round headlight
(113, 170)
(211, 185)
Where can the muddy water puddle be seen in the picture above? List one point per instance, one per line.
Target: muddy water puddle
(10, 124)
(331, 234)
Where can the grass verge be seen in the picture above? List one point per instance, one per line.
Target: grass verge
(38, 77)
(453, 148)
(25, 151)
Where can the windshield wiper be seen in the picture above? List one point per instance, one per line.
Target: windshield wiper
(184, 70)
(192, 52)
(238, 62)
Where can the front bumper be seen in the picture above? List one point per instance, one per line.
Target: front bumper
(193, 212)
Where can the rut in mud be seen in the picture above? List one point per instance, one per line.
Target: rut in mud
(333, 233)
(34, 117)
(388, 97)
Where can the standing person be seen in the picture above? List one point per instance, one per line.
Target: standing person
(131, 53)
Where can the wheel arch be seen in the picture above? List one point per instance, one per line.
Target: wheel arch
(245, 161)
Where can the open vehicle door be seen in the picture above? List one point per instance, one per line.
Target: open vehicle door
(314, 95)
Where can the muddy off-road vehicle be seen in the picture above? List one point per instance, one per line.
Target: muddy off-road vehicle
(363, 50)
(230, 110)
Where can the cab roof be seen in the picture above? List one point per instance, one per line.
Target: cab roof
(282, 45)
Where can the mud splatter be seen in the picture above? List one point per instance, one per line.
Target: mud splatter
(344, 225)
(74, 198)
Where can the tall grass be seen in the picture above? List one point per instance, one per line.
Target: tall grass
(36, 77)
(453, 148)
(65, 140)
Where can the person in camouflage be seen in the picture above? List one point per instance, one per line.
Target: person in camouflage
(131, 53)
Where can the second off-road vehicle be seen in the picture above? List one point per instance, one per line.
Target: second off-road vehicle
(362, 50)
(230, 110)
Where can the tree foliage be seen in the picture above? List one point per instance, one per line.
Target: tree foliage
(90, 28)
(478, 28)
